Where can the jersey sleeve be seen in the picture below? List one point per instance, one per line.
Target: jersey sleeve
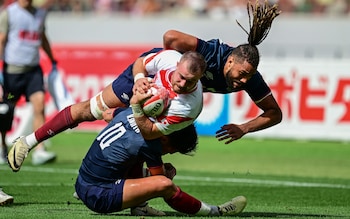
(257, 88)
(183, 110)
(165, 59)
(168, 128)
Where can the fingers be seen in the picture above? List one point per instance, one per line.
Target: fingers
(230, 133)
(108, 115)
(142, 85)
(223, 132)
(170, 170)
(224, 137)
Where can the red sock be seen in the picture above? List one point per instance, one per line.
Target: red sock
(184, 203)
(60, 122)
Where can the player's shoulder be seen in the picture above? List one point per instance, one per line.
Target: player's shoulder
(255, 80)
(213, 47)
(216, 42)
(13, 4)
(257, 86)
(163, 55)
(170, 53)
(257, 77)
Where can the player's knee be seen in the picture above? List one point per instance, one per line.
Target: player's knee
(97, 106)
(166, 185)
(166, 188)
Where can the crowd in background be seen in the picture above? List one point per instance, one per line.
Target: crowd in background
(217, 9)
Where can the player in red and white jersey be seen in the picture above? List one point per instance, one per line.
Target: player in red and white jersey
(179, 74)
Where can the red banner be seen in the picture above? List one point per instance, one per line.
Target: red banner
(314, 96)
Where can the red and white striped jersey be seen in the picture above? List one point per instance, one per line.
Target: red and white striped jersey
(183, 108)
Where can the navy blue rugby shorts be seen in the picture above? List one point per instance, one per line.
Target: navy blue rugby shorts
(105, 198)
(122, 85)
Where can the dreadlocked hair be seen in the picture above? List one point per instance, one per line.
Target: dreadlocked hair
(263, 15)
(260, 25)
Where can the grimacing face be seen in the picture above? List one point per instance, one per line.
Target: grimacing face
(237, 73)
(182, 80)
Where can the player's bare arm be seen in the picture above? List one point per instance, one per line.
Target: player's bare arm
(2, 44)
(140, 76)
(182, 42)
(3, 31)
(46, 47)
(271, 116)
(147, 128)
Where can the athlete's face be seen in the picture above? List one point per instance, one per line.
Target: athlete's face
(237, 73)
(182, 80)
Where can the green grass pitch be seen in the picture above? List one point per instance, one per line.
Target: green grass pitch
(280, 178)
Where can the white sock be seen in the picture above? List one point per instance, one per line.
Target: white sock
(31, 140)
(208, 210)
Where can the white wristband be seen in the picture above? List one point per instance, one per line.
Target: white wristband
(138, 76)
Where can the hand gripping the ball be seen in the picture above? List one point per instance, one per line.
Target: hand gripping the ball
(157, 103)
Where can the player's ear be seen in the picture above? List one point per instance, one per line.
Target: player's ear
(231, 58)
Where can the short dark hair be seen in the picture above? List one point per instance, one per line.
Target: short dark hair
(185, 140)
(197, 63)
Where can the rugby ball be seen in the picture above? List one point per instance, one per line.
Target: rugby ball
(157, 103)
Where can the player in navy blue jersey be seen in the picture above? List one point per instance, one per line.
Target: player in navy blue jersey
(107, 183)
(231, 69)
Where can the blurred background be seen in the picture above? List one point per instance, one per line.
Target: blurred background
(217, 9)
(305, 28)
(305, 58)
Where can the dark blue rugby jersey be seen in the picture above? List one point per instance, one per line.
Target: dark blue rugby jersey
(117, 148)
(216, 53)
